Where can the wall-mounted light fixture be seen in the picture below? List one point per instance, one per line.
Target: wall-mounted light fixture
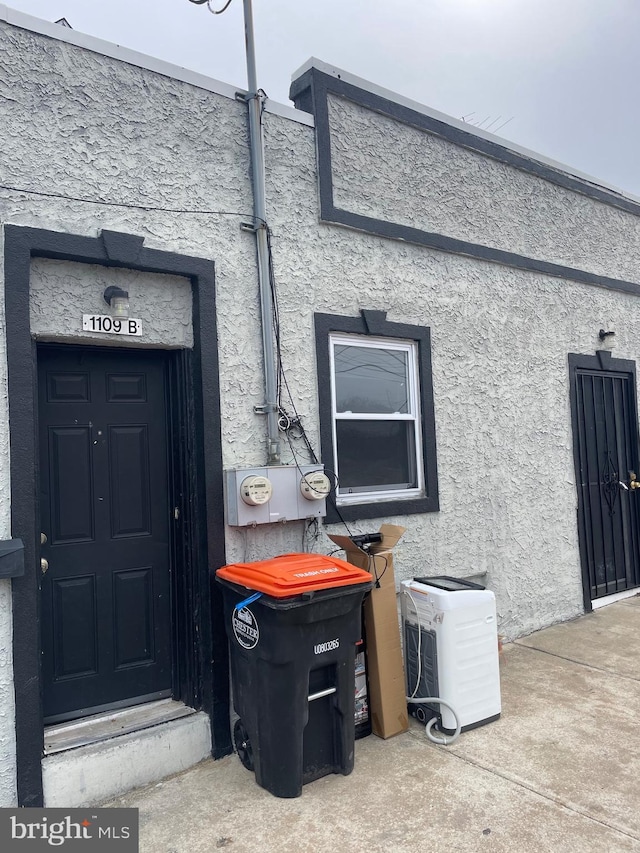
(118, 301)
(606, 338)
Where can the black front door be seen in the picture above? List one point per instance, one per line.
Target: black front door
(605, 426)
(106, 593)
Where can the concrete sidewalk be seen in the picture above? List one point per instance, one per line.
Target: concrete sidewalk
(560, 771)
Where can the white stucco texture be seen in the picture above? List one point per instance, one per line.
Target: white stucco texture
(8, 796)
(103, 130)
(62, 291)
(111, 145)
(118, 139)
(399, 173)
(500, 341)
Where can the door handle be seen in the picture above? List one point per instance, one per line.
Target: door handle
(633, 483)
(624, 485)
(44, 564)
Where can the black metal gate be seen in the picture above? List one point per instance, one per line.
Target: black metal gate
(605, 435)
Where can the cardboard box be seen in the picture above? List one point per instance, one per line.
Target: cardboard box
(387, 699)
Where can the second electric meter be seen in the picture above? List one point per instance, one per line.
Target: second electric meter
(315, 486)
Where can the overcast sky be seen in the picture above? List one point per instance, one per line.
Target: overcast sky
(565, 72)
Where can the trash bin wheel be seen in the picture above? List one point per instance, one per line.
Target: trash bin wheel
(243, 745)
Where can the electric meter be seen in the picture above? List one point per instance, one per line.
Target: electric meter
(275, 493)
(315, 486)
(256, 490)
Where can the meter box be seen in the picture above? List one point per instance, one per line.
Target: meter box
(275, 493)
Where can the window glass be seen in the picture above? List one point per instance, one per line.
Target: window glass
(371, 379)
(375, 455)
(377, 430)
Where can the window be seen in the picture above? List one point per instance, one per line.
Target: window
(376, 446)
(376, 415)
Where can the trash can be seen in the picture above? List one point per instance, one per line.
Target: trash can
(293, 623)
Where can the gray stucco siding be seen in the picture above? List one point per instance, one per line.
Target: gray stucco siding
(500, 340)
(500, 336)
(86, 126)
(89, 108)
(8, 792)
(395, 172)
(89, 127)
(62, 291)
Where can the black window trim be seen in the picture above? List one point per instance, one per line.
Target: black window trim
(375, 324)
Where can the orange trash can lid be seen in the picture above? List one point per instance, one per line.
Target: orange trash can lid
(294, 574)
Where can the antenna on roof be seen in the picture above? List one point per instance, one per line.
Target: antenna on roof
(482, 124)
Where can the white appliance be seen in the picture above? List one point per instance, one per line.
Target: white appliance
(451, 650)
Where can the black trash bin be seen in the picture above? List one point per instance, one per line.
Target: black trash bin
(293, 665)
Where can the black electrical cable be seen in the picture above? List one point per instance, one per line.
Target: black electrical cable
(150, 208)
(296, 421)
(372, 567)
(309, 539)
(339, 514)
(282, 382)
(219, 11)
(213, 11)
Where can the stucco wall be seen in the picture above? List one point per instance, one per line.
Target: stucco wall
(85, 126)
(396, 172)
(102, 130)
(8, 795)
(7, 704)
(500, 340)
(62, 291)
(89, 127)
(500, 336)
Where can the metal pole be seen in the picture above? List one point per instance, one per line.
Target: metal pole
(255, 104)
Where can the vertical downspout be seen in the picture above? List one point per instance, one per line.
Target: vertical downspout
(256, 143)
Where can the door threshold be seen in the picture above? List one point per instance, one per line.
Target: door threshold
(100, 727)
(617, 596)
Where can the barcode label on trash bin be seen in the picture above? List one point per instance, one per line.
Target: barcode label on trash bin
(245, 628)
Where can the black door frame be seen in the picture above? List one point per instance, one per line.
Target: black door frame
(203, 681)
(602, 361)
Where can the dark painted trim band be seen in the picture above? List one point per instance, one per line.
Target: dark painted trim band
(110, 249)
(376, 323)
(474, 250)
(310, 93)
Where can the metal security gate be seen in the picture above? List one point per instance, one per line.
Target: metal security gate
(605, 430)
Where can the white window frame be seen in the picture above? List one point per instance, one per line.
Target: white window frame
(414, 415)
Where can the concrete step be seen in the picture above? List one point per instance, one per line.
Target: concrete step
(92, 772)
